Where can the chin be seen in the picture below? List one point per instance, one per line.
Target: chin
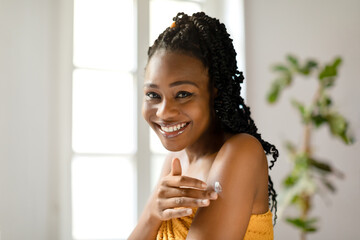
(172, 147)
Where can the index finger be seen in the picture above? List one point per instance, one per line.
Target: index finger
(185, 182)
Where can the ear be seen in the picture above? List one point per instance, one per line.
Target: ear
(176, 167)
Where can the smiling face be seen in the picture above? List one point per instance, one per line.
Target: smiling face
(176, 99)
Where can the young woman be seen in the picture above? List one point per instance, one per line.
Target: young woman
(215, 182)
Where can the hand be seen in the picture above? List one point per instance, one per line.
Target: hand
(178, 194)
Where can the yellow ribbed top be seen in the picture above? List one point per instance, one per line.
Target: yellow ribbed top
(260, 227)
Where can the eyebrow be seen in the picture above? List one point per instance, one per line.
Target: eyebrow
(174, 84)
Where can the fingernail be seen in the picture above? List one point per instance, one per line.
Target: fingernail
(204, 185)
(205, 201)
(213, 195)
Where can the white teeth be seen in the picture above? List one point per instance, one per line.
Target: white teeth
(173, 128)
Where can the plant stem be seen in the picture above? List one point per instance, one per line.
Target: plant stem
(303, 236)
(306, 198)
(305, 211)
(307, 136)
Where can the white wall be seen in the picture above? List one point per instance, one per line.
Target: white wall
(321, 29)
(28, 208)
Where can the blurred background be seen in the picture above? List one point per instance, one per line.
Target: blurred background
(77, 161)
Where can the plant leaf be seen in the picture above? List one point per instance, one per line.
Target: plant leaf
(309, 66)
(273, 93)
(337, 62)
(293, 62)
(281, 68)
(328, 184)
(339, 127)
(290, 181)
(301, 162)
(323, 166)
(318, 120)
(303, 185)
(277, 86)
(328, 82)
(323, 103)
(330, 70)
(306, 226)
(303, 111)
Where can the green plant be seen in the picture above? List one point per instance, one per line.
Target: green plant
(308, 174)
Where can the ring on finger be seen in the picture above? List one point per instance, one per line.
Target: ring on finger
(178, 200)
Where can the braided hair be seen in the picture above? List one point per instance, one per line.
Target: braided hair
(206, 39)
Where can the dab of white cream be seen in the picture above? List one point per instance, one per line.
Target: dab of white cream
(218, 187)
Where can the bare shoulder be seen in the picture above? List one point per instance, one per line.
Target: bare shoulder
(242, 157)
(241, 144)
(241, 149)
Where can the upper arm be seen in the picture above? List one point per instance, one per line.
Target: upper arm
(237, 168)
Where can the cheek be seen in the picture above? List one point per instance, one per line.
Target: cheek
(148, 111)
(145, 110)
(200, 111)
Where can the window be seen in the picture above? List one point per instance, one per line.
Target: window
(103, 120)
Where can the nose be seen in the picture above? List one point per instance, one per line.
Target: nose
(167, 110)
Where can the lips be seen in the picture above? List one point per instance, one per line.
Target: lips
(172, 130)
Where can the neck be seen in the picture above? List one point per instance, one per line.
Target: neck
(209, 143)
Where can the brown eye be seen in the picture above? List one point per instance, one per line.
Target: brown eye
(152, 95)
(183, 94)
